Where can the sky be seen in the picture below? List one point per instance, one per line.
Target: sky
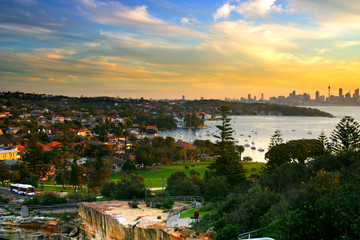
(170, 48)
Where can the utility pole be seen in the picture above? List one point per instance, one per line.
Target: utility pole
(162, 188)
(87, 183)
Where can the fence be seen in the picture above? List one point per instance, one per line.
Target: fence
(17, 207)
(196, 202)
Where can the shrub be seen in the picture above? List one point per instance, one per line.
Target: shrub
(162, 201)
(4, 200)
(128, 187)
(89, 198)
(180, 184)
(133, 203)
(77, 197)
(45, 198)
(74, 197)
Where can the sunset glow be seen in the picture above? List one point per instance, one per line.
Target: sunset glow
(167, 48)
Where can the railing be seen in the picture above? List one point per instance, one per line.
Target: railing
(17, 207)
(253, 233)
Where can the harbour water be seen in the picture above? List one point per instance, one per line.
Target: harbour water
(257, 130)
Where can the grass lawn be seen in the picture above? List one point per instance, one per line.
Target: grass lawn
(153, 176)
(190, 213)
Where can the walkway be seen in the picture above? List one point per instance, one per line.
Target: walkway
(175, 221)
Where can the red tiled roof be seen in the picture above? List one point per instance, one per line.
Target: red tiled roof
(185, 145)
(75, 144)
(53, 144)
(20, 148)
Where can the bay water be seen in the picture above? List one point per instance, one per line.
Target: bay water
(256, 131)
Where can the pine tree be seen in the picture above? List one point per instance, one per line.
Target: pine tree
(346, 135)
(324, 141)
(227, 161)
(275, 139)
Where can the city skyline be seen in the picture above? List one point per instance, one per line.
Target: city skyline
(167, 49)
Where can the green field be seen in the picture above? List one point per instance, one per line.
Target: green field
(190, 213)
(153, 176)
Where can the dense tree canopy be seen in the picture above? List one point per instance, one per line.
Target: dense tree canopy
(346, 135)
(227, 160)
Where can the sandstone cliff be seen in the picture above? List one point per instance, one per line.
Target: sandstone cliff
(115, 220)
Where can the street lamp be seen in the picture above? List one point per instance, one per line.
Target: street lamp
(87, 180)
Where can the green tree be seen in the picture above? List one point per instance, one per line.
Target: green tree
(191, 121)
(99, 171)
(76, 175)
(324, 140)
(227, 160)
(179, 183)
(240, 149)
(346, 135)
(4, 172)
(130, 186)
(275, 139)
(294, 151)
(38, 160)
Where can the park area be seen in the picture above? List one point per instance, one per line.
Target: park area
(153, 177)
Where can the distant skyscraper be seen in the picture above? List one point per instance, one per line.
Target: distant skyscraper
(202, 98)
(348, 96)
(329, 90)
(341, 93)
(317, 95)
(249, 97)
(183, 98)
(356, 94)
(262, 96)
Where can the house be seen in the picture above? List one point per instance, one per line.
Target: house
(5, 142)
(117, 163)
(17, 140)
(119, 159)
(50, 146)
(12, 130)
(185, 145)
(21, 149)
(126, 156)
(81, 133)
(9, 153)
(57, 119)
(151, 129)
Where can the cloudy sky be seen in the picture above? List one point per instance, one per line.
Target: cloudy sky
(169, 48)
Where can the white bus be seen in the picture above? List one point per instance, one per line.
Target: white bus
(22, 189)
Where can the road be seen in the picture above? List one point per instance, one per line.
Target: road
(4, 191)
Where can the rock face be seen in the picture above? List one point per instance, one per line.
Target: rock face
(36, 228)
(115, 220)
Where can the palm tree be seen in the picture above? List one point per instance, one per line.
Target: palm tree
(240, 149)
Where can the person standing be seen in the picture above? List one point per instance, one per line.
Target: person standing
(196, 214)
